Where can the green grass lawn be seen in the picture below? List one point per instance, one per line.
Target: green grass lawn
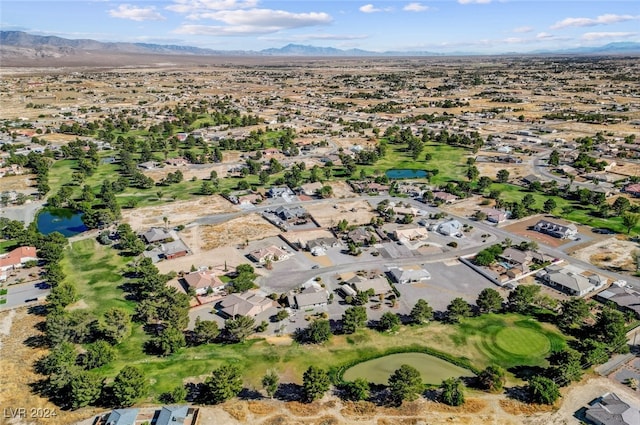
(447, 159)
(6, 246)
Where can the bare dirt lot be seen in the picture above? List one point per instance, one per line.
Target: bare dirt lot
(613, 254)
(180, 212)
(21, 183)
(355, 212)
(236, 231)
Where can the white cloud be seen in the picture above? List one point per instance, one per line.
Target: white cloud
(127, 11)
(369, 8)
(544, 36)
(522, 30)
(474, 1)
(254, 21)
(186, 6)
(415, 7)
(590, 36)
(606, 19)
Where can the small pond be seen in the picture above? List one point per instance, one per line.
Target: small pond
(63, 220)
(432, 369)
(406, 173)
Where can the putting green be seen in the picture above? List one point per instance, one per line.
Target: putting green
(432, 369)
(522, 341)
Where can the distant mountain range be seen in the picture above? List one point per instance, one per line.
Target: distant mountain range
(19, 44)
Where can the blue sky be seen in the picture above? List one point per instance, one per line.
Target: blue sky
(481, 26)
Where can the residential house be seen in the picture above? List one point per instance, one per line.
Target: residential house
(531, 178)
(272, 253)
(611, 410)
(174, 415)
(403, 276)
(177, 162)
(572, 280)
(203, 282)
(445, 197)
(450, 228)
(17, 257)
(495, 215)
(555, 229)
(174, 249)
(633, 189)
(379, 285)
(310, 297)
(279, 192)
(319, 246)
(625, 298)
(290, 213)
(359, 236)
(121, 417)
(411, 234)
(245, 304)
(157, 234)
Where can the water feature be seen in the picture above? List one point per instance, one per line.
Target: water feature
(406, 173)
(63, 220)
(432, 369)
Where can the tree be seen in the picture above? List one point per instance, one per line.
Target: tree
(452, 392)
(168, 342)
(315, 383)
(98, 354)
(270, 383)
(629, 221)
(593, 352)
(549, 205)
(325, 191)
(566, 367)
(458, 308)
(421, 312)
(542, 390)
(238, 329)
(353, 318)
(554, 158)
(207, 188)
(502, 176)
(610, 329)
(621, 205)
(405, 383)
(318, 332)
(224, 383)
(492, 378)
(356, 390)
(84, 389)
(62, 295)
(128, 386)
(527, 201)
(389, 322)
(574, 311)
(489, 301)
(116, 325)
(484, 258)
(205, 331)
(60, 358)
(521, 298)
(472, 172)
(281, 315)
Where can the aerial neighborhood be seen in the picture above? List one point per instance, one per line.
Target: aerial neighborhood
(175, 239)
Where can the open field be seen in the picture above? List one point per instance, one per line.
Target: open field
(236, 231)
(613, 253)
(327, 214)
(178, 212)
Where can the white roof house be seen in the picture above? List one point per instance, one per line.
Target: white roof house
(450, 228)
(409, 276)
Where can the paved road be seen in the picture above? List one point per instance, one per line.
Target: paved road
(540, 168)
(18, 294)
